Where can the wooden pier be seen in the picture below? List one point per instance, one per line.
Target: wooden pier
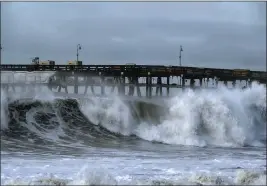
(131, 77)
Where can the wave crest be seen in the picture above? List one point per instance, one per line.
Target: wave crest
(219, 117)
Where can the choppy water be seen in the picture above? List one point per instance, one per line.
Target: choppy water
(195, 137)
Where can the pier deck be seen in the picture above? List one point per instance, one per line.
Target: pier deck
(113, 76)
(144, 71)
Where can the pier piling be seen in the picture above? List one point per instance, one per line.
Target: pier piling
(115, 76)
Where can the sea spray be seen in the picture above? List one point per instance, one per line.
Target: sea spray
(219, 117)
(210, 117)
(87, 176)
(112, 114)
(4, 112)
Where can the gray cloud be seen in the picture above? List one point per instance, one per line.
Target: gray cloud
(229, 35)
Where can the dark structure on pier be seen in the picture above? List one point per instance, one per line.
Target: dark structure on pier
(133, 73)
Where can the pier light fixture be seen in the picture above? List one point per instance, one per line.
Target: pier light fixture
(122, 73)
(148, 73)
(79, 47)
(180, 56)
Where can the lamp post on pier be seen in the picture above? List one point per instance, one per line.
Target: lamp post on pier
(0, 52)
(180, 56)
(79, 47)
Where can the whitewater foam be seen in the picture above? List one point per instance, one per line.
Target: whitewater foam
(4, 105)
(222, 117)
(111, 113)
(87, 176)
(81, 153)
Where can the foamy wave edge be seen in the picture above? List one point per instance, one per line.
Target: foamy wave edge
(103, 177)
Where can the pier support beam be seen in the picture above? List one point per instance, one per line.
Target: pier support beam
(76, 86)
(207, 82)
(249, 83)
(63, 83)
(201, 82)
(216, 80)
(234, 83)
(168, 86)
(131, 86)
(92, 86)
(50, 83)
(86, 85)
(192, 83)
(225, 83)
(102, 85)
(159, 87)
(134, 83)
(150, 87)
(147, 80)
(89, 82)
(183, 82)
(138, 87)
(121, 84)
(114, 84)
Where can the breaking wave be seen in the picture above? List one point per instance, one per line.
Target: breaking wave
(222, 117)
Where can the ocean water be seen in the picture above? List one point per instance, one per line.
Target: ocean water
(198, 137)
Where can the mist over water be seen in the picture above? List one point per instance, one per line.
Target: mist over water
(219, 126)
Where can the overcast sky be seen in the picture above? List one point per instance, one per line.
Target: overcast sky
(213, 34)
